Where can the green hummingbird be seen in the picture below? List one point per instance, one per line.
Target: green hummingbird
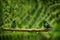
(46, 25)
(13, 25)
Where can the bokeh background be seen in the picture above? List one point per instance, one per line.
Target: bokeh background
(30, 14)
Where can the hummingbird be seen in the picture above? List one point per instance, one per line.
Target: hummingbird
(13, 25)
(46, 25)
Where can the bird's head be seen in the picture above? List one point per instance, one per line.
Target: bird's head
(44, 21)
(14, 21)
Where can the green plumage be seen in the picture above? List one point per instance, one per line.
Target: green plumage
(46, 25)
(13, 25)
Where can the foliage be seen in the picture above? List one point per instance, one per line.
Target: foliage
(30, 14)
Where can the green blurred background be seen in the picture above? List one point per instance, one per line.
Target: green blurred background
(30, 14)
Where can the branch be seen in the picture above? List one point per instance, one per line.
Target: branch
(25, 30)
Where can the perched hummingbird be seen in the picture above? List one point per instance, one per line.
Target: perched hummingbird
(46, 25)
(13, 25)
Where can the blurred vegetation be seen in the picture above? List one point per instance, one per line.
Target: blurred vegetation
(30, 14)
